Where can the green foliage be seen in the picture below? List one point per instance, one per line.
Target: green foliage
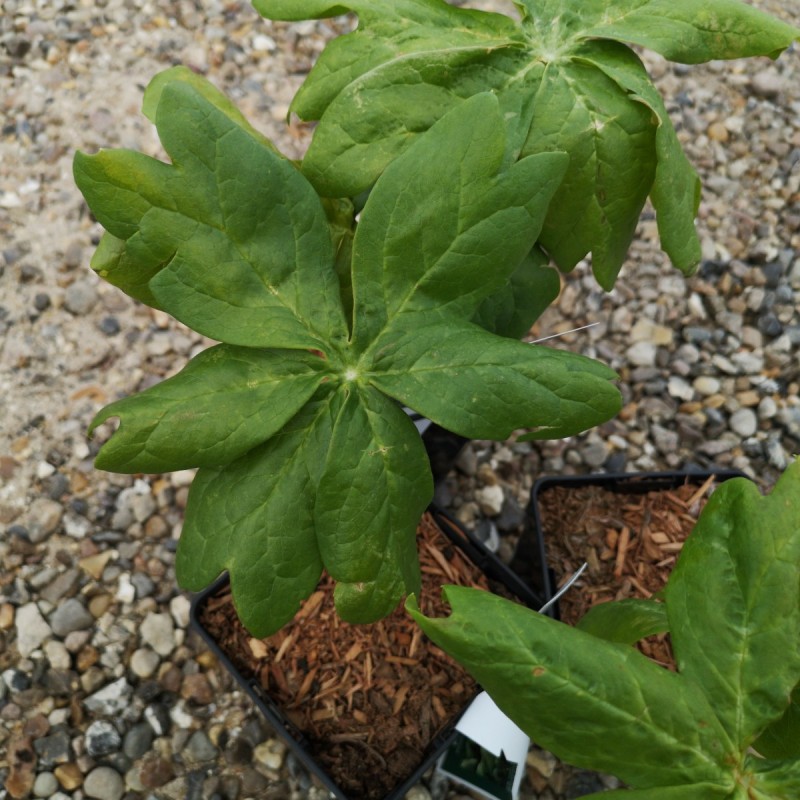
(565, 80)
(733, 607)
(306, 458)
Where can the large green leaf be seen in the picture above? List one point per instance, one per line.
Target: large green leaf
(468, 236)
(733, 603)
(377, 89)
(224, 249)
(306, 462)
(225, 401)
(594, 703)
(255, 518)
(373, 490)
(488, 386)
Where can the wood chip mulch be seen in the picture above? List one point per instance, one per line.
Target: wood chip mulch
(630, 542)
(369, 698)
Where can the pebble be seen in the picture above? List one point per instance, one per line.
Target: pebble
(80, 297)
(642, 354)
(32, 629)
(53, 749)
(490, 499)
(45, 785)
(199, 748)
(104, 783)
(158, 631)
(744, 422)
(69, 776)
(102, 738)
(137, 740)
(71, 615)
(111, 699)
(43, 519)
(144, 662)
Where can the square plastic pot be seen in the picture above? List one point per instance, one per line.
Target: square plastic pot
(530, 560)
(487, 562)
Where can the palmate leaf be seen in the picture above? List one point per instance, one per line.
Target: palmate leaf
(733, 604)
(565, 79)
(307, 461)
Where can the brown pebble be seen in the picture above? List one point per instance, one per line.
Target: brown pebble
(717, 132)
(69, 776)
(6, 616)
(87, 657)
(197, 689)
(22, 767)
(155, 772)
(170, 678)
(99, 604)
(156, 527)
(37, 726)
(94, 565)
(156, 568)
(7, 467)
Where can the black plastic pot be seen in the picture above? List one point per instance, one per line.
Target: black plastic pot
(530, 559)
(494, 570)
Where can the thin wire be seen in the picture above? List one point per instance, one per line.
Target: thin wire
(564, 333)
(563, 589)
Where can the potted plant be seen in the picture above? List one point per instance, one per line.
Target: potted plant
(366, 708)
(400, 271)
(727, 723)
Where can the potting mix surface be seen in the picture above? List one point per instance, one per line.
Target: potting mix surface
(369, 698)
(630, 542)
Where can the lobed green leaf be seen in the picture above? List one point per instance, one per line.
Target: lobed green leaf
(444, 233)
(255, 519)
(223, 249)
(225, 402)
(564, 81)
(375, 485)
(626, 715)
(733, 602)
(485, 387)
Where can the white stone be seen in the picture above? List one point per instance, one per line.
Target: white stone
(126, 591)
(706, 385)
(490, 499)
(32, 629)
(270, 753)
(158, 631)
(144, 662)
(642, 354)
(744, 422)
(58, 655)
(179, 607)
(678, 387)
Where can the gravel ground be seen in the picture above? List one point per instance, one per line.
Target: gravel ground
(103, 691)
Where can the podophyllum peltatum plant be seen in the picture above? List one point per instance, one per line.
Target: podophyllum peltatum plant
(479, 147)
(724, 726)
(566, 80)
(307, 460)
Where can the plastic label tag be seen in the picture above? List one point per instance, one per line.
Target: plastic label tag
(489, 752)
